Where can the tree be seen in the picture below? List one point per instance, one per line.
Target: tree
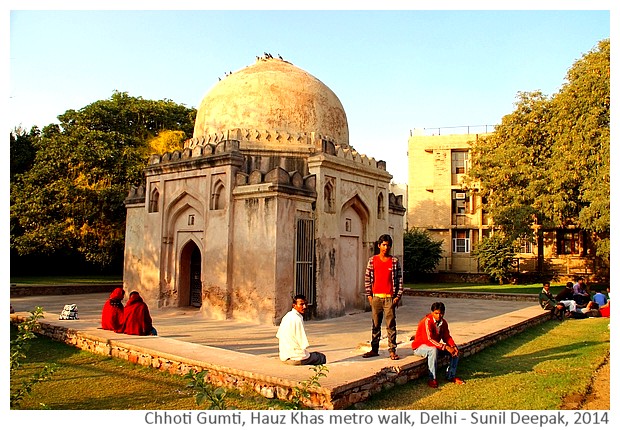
(581, 147)
(495, 256)
(547, 164)
(510, 165)
(23, 150)
(421, 253)
(70, 202)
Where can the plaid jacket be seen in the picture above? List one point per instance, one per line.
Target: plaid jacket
(397, 277)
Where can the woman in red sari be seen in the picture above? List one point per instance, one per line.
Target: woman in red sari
(112, 313)
(137, 317)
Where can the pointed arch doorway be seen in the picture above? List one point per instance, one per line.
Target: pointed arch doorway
(352, 258)
(190, 274)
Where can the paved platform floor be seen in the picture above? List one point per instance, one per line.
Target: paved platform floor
(252, 347)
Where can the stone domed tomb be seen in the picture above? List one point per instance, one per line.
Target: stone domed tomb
(268, 199)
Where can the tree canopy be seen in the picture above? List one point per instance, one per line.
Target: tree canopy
(547, 163)
(71, 198)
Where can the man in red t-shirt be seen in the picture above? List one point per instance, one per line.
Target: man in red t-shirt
(433, 338)
(383, 282)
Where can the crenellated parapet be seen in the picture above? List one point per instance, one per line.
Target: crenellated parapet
(233, 140)
(196, 151)
(349, 153)
(283, 140)
(279, 177)
(396, 204)
(136, 195)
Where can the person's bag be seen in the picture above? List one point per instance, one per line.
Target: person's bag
(69, 312)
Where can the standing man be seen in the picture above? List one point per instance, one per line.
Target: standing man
(292, 336)
(433, 338)
(383, 281)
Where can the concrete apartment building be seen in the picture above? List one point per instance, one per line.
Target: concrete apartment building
(439, 202)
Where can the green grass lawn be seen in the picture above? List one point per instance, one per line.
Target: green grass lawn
(86, 381)
(533, 370)
(485, 288)
(536, 369)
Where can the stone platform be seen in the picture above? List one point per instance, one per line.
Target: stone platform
(244, 355)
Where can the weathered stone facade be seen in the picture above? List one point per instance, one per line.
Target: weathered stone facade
(267, 200)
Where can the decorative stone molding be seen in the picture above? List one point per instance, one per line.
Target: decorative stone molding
(136, 195)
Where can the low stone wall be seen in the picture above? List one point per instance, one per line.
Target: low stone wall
(266, 386)
(339, 397)
(472, 295)
(18, 290)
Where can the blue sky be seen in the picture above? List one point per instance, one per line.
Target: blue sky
(393, 70)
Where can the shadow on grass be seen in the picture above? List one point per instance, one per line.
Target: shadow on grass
(542, 355)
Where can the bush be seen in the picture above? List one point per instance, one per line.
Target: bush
(421, 253)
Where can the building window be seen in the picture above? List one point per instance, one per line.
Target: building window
(191, 219)
(568, 242)
(154, 201)
(460, 241)
(460, 162)
(218, 197)
(328, 197)
(526, 246)
(304, 260)
(380, 206)
(459, 202)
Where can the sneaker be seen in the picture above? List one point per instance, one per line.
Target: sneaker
(457, 381)
(433, 383)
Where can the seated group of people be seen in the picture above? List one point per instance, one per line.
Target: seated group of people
(575, 301)
(132, 318)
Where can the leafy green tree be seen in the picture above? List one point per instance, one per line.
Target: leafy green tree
(421, 253)
(23, 150)
(71, 199)
(510, 165)
(579, 179)
(547, 163)
(166, 141)
(495, 256)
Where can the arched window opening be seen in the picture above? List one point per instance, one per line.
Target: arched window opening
(380, 206)
(154, 201)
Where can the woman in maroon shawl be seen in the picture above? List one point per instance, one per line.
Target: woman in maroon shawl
(112, 313)
(137, 317)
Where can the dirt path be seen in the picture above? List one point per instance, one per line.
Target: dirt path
(597, 397)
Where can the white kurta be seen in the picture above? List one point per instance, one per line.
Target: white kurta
(292, 336)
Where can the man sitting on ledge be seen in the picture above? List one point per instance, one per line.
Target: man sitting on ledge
(432, 339)
(292, 336)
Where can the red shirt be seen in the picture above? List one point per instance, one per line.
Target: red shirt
(429, 334)
(383, 276)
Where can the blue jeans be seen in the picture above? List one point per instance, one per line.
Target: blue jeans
(383, 306)
(432, 354)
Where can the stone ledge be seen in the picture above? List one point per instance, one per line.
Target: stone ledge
(472, 295)
(265, 376)
(20, 290)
